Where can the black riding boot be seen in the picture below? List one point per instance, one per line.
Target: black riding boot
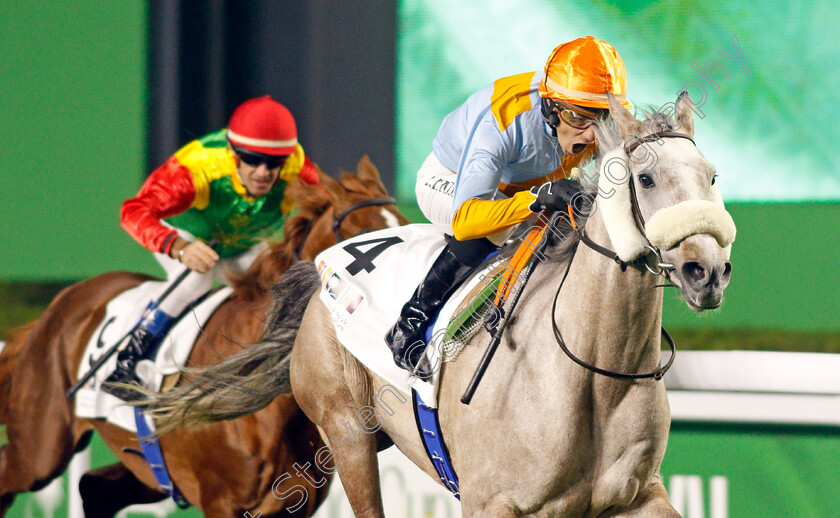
(145, 336)
(406, 338)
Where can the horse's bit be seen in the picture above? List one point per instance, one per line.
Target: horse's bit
(662, 268)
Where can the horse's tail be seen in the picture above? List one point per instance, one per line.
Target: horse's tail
(8, 359)
(248, 381)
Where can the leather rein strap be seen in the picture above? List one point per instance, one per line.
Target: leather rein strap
(657, 374)
(336, 224)
(339, 218)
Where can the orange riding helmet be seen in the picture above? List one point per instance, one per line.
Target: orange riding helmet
(263, 125)
(582, 71)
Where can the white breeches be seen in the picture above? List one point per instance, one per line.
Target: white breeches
(195, 284)
(435, 192)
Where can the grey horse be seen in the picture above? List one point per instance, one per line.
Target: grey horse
(543, 435)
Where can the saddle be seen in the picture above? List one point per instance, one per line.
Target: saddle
(121, 315)
(367, 279)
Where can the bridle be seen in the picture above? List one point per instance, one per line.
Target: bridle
(662, 268)
(338, 218)
(642, 263)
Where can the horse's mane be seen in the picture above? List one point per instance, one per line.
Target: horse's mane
(254, 283)
(609, 137)
(351, 183)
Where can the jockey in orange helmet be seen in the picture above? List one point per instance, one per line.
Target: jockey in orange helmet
(500, 157)
(228, 187)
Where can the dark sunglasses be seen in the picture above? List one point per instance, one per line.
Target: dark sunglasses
(257, 159)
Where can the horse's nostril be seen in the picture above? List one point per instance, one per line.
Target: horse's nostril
(693, 272)
(727, 270)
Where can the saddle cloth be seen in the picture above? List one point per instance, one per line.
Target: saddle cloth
(121, 315)
(366, 280)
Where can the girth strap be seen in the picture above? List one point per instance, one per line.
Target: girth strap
(154, 458)
(429, 427)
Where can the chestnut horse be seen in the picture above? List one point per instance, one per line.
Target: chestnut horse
(223, 469)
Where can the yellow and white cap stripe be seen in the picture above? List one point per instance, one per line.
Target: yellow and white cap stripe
(247, 141)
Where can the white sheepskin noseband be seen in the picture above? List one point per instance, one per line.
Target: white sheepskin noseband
(671, 225)
(667, 227)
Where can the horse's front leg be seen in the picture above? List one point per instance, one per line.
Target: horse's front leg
(498, 507)
(107, 490)
(652, 502)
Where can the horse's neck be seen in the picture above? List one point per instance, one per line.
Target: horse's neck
(606, 316)
(319, 237)
(303, 240)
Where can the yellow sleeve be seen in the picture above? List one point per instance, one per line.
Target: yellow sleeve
(206, 165)
(481, 218)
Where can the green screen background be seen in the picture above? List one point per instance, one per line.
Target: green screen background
(73, 98)
(73, 101)
(770, 131)
(73, 95)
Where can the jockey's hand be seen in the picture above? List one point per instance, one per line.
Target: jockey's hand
(197, 256)
(554, 196)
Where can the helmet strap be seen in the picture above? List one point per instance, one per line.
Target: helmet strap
(549, 115)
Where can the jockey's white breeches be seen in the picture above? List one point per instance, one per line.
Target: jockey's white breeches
(196, 284)
(435, 192)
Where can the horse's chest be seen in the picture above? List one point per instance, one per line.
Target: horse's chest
(596, 460)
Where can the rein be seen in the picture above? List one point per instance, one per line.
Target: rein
(657, 374)
(662, 268)
(338, 218)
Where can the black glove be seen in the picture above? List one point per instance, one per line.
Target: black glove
(554, 196)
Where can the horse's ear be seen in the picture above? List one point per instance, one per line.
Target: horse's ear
(366, 169)
(685, 114)
(368, 172)
(628, 125)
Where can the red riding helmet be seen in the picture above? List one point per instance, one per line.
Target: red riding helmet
(263, 125)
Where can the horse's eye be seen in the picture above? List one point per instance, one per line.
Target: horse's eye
(645, 180)
(713, 179)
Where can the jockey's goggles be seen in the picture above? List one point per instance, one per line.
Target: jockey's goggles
(257, 159)
(576, 116)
